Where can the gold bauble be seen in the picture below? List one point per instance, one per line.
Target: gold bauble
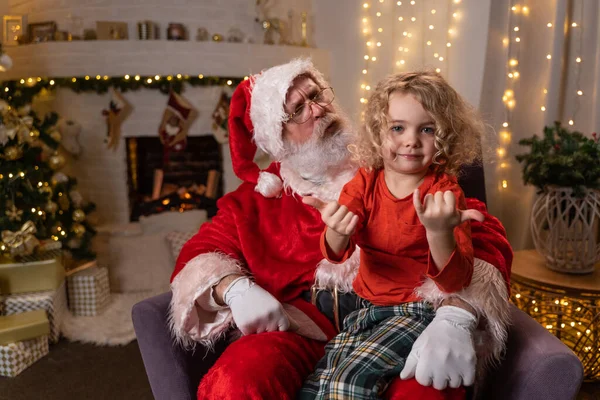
(57, 161)
(217, 37)
(34, 133)
(64, 202)
(13, 153)
(51, 207)
(78, 215)
(78, 229)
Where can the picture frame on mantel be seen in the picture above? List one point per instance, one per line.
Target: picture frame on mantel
(41, 31)
(13, 27)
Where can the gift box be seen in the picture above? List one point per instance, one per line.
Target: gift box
(89, 293)
(24, 326)
(54, 302)
(17, 356)
(39, 272)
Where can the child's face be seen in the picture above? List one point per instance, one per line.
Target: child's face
(408, 144)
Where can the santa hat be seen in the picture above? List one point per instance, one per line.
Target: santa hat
(256, 117)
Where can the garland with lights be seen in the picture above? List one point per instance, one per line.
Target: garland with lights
(21, 92)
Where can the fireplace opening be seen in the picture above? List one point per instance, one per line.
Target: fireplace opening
(176, 181)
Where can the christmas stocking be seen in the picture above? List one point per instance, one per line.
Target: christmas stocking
(118, 110)
(175, 123)
(220, 116)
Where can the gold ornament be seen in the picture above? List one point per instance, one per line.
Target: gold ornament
(23, 241)
(63, 202)
(78, 229)
(78, 215)
(14, 214)
(51, 207)
(217, 37)
(13, 153)
(57, 161)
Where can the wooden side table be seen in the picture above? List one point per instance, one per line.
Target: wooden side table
(567, 305)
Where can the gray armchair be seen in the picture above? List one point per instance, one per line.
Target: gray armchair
(536, 366)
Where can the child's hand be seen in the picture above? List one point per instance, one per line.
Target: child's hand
(337, 218)
(438, 213)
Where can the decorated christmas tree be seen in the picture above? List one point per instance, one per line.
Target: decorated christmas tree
(38, 202)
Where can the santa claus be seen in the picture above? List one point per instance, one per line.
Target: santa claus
(252, 268)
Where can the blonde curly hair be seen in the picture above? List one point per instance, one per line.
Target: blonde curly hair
(458, 127)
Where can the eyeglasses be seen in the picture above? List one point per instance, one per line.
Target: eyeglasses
(304, 111)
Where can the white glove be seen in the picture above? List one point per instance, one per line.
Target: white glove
(254, 309)
(444, 354)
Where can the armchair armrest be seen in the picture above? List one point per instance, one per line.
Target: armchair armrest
(537, 365)
(173, 372)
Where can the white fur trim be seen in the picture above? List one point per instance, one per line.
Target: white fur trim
(269, 185)
(487, 293)
(328, 190)
(329, 276)
(193, 315)
(269, 90)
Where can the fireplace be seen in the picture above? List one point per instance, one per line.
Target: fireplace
(175, 181)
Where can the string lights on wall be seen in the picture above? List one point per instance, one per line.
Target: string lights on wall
(413, 21)
(512, 42)
(575, 30)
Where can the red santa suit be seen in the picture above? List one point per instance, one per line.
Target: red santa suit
(267, 233)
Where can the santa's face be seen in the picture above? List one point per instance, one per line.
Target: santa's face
(319, 145)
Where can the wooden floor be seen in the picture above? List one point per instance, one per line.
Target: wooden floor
(74, 371)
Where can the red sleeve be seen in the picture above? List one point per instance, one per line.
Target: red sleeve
(352, 196)
(490, 242)
(219, 235)
(458, 271)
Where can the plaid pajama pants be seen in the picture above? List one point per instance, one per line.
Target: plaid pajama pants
(362, 360)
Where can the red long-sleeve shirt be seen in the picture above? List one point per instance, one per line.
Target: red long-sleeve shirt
(395, 257)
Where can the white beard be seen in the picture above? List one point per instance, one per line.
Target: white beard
(320, 166)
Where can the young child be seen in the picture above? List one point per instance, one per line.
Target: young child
(403, 209)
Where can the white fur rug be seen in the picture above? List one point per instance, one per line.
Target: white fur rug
(111, 328)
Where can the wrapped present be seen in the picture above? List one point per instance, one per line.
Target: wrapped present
(35, 273)
(24, 326)
(89, 293)
(17, 356)
(54, 302)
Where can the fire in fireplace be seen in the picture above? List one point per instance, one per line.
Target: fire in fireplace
(176, 181)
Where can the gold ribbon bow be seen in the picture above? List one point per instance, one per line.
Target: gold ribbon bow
(23, 241)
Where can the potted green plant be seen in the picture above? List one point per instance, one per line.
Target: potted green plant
(565, 168)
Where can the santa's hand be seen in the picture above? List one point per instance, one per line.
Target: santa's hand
(444, 354)
(254, 309)
(337, 218)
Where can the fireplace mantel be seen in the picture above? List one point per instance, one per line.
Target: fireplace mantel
(155, 57)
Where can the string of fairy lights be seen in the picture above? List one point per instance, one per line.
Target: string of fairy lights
(512, 43)
(575, 30)
(412, 20)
